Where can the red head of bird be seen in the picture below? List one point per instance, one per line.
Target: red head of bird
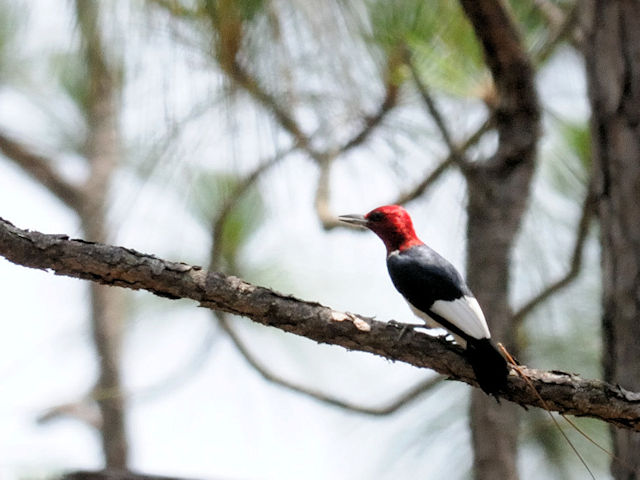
(391, 223)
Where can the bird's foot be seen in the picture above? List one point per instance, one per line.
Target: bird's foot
(403, 327)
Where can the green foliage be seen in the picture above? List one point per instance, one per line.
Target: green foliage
(532, 23)
(578, 140)
(442, 42)
(219, 9)
(396, 22)
(570, 157)
(73, 77)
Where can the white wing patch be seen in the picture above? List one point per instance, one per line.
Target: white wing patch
(465, 313)
(430, 322)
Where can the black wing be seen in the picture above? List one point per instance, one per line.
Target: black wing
(422, 276)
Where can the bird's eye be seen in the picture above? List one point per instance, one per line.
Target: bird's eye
(375, 217)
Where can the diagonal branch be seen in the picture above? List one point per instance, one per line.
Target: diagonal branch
(218, 223)
(330, 221)
(304, 142)
(325, 160)
(42, 170)
(430, 179)
(118, 266)
(424, 185)
(248, 83)
(231, 201)
(387, 409)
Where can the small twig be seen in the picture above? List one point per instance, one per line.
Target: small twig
(611, 455)
(251, 85)
(432, 177)
(325, 160)
(391, 407)
(588, 210)
(247, 82)
(84, 410)
(429, 180)
(522, 375)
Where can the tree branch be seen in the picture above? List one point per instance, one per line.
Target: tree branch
(214, 263)
(432, 177)
(42, 170)
(391, 407)
(231, 201)
(248, 83)
(517, 110)
(116, 474)
(118, 266)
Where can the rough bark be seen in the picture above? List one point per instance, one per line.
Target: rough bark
(498, 192)
(102, 153)
(123, 267)
(114, 474)
(612, 53)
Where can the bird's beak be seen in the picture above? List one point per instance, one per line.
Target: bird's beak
(354, 219)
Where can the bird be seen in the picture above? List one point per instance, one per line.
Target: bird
(435, 291)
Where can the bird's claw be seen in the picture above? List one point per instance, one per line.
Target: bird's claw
(395, 324)
(404, 327)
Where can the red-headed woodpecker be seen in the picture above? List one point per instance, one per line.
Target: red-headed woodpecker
(435, 291)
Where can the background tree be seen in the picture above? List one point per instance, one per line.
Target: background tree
(352, 102)
(612, 44)
(90, 78)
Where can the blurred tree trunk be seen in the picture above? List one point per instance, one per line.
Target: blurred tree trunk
(612, 53)
(102, 150)
(494, 427)
(96, 95)
(498, 194)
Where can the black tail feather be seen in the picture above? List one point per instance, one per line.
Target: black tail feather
(488, 364)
